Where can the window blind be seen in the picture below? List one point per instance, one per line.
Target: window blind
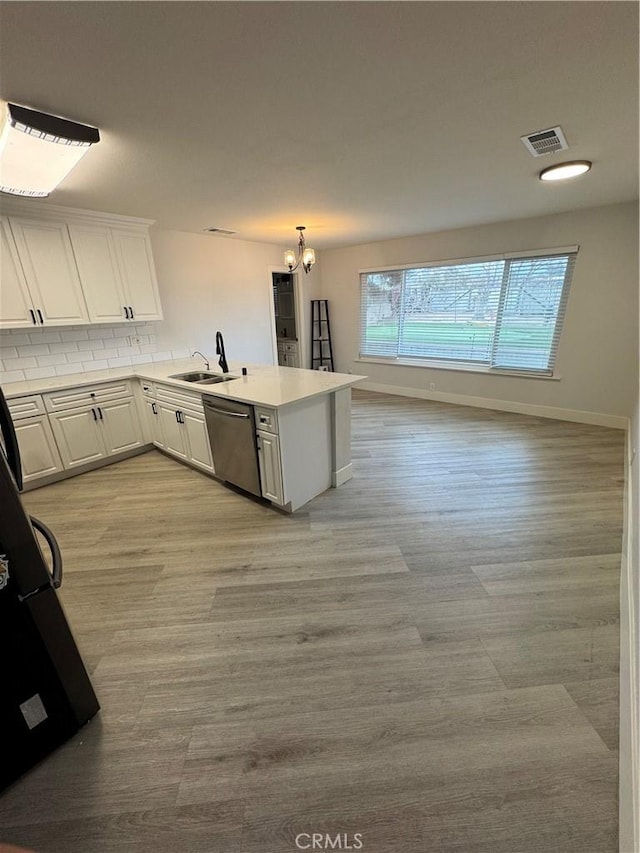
(506, 313)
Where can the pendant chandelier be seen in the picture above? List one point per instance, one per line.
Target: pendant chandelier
(306, 257)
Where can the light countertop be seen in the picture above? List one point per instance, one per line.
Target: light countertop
(264, 385)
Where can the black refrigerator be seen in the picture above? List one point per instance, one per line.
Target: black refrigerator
(45, 692)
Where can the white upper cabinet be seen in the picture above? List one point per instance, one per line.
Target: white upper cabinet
(49, 266)
(63, 267)
(138, 274)
(99, 273)
(16, 307)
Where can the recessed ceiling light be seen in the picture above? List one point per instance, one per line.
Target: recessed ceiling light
(565, 170)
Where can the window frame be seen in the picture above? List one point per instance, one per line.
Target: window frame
(475, 366)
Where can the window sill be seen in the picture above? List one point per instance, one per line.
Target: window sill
(459, 367)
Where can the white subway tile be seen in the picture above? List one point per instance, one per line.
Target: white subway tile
(39, 336)
(11, 376)
(119, 342)
(108, 353)
(90, 345)
(148, 348)
(8, 352)
(123, 361)
(132, 350)
(67, 346)
(15, 339)
(65, 369)
(74, 335)
(180, 353)
(34, 349)
(46, 360)
(161, 356)
(77, 357)
(139, 359)
(19, 363)
(100, 334)
(95, 365)
(39, 373)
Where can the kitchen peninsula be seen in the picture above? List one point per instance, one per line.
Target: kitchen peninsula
(70, 424)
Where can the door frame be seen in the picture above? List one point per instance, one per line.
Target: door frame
(300, 318)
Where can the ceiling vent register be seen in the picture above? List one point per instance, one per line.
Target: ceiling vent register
(224, 231)
(545, 141)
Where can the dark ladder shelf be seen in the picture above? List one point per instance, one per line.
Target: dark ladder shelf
(321, 351)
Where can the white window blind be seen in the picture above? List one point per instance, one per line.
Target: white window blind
(505, 313)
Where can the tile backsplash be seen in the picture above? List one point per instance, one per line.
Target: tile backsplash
(38, 353)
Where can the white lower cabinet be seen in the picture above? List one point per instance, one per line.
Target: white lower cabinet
(198, 440)
(77, 436)
(91, 433)
(154, 423)
(270, 467)
(181, 419)
(38, 449)
(120, 426)
(175, 438)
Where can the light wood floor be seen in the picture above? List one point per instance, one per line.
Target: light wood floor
(427, 656)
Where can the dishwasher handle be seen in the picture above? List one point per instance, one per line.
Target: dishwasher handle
(225, 412)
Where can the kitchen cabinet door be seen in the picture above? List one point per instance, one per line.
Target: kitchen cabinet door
(16, 307)
(38, 450)
(97, 262)
(154, 422)
(270, 467)
(120, 425)
(78, 436)
(173, 431)
(46, 255)
(138, 274)
(198, 440)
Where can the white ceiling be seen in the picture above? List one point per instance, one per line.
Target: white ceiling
(360, 120)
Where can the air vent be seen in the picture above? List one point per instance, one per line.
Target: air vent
(544, 141)
(223, 231)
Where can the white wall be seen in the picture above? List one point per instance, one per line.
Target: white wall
(630, 651)
(597, 359)
(211, 283)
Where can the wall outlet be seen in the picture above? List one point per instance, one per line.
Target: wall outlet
(134, 340)
(432, 386)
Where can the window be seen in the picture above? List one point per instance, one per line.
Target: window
(505, 313)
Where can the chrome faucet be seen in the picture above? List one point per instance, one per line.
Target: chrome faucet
(222, 361)
(206, 360)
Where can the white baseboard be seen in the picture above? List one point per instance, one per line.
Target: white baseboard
(342, 475)
(575, 415)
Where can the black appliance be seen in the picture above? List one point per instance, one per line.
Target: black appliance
(45, 692)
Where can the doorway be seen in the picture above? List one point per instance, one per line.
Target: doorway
(287, 319)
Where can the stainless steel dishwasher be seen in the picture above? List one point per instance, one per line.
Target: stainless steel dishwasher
(232, 436)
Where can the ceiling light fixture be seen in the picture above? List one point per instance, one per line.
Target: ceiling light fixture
(562, 171)
(306, 257)
(37, 150)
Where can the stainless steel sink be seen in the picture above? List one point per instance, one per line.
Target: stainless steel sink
(203, 378)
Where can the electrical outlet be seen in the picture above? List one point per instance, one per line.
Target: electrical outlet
(432, 386)
(134, 341)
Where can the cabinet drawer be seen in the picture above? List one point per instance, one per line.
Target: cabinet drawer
(266, 419)
(178, 398)
(26, 407)
(293, 347)
(73, 398)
